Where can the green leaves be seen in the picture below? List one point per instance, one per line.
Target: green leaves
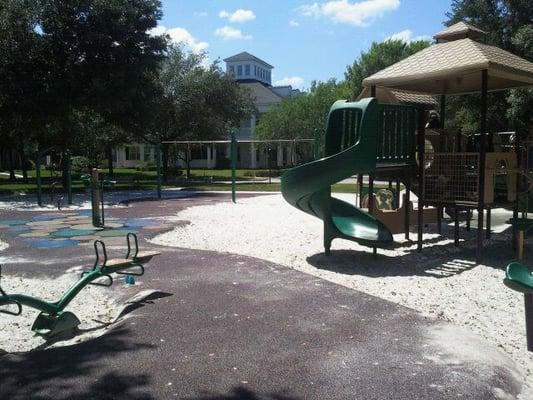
(378, 57)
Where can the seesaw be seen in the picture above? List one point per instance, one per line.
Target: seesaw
(53, 319)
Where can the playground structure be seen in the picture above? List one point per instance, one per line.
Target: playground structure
(53, 319)
(394, 143)
(97, 196)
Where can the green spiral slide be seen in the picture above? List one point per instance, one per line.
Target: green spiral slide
(351, 148)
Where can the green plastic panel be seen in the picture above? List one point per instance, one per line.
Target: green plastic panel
(351, 143)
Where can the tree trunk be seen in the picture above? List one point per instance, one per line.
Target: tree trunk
(11, 166)
(164, 162)
(109, 151)
(188, 161)
(23, 162)
(66, 130)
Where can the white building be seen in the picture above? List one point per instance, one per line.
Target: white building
(255, 74)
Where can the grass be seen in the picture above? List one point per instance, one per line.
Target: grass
(131, 179)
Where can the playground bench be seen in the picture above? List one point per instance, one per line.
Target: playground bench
(52, 319)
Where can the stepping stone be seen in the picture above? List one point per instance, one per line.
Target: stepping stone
(47, 217)
(114, 233)
(52, 243)
(139, 223)
(68, 233)
(13, 222)
(34, 234)
(19, 229)
(84, 238)
(113, 225)
(87, 226)
(4, 226)
(45, 223)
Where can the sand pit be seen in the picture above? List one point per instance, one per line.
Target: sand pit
(436, 282)
(94, 306)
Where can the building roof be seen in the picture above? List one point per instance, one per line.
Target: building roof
(454, 68)
(261, 94)
(389, 96)
(460, 30)
(245, 56)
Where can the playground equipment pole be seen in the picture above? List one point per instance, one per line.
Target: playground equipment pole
(482, 150)
(96, 198)
(158, 167)
(233, 150)
(38, 177)
(69, 178)
(316, 145)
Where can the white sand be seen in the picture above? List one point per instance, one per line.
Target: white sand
(434, 282)
(94, 306)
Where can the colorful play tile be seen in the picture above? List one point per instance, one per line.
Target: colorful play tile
(113, 225)
(68, 233)
(34, 234)
(114, 232)
(13, 222)
(52, 243)
(84, 238)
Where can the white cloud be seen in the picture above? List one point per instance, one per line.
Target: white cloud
(228, 33)
(239, 15)
(181, 35)
(345, 11)
(406, 36)
(294, 81)
(294, 23)
(201, 14)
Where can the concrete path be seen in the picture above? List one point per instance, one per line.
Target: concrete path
(232, 327)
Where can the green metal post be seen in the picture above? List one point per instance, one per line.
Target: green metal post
(69, 178)
(158, 167)
(316, 145)
(38, 176)
(233, 150)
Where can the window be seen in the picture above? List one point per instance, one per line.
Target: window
(148, 153)
(231, 69)
(239, 70)
(133, 153)
(255, 70)
(247, 70)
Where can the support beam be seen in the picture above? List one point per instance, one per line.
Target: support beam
(406, 201)
(373, 91)
(421, 129)
(482, 153)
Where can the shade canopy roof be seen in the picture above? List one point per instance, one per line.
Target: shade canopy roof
(460, 30)
(454, 67)
(390, 96)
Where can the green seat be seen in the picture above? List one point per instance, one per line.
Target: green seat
(518, 277)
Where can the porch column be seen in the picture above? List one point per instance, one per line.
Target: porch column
(214, 155)
(280, 156)
(208, 157)
(253, 155)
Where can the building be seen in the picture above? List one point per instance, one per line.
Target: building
(256, 74)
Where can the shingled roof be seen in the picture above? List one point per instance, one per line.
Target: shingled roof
(455, 67)
(460, 30)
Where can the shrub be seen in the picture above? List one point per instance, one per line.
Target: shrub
(79, 164)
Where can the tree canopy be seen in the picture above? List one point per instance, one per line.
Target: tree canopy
(302, 116)
(509, 24)
(379, 56)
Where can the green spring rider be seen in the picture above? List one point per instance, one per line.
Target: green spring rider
(53, 319)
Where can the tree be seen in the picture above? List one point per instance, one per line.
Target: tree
(302, 117)
(22, 74)
(378, 57)
(509, 25)
(199, 102)
(77, 55)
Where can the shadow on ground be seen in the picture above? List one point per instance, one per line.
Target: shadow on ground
(241, 393)
(437, 261)
(57, 371)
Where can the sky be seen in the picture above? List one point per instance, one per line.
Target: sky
(304, 40)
